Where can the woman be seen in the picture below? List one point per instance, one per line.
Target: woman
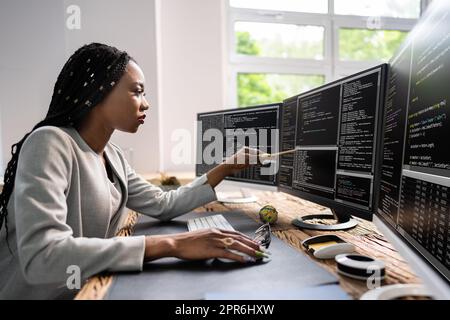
(67, 187)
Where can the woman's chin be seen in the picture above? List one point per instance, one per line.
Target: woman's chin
(133, 129)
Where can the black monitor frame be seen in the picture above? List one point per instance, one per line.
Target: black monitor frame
(244, 109)
(342, 211)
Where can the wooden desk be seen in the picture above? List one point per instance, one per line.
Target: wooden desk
(365, 237)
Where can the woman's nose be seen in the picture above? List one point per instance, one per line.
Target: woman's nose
(145, 105)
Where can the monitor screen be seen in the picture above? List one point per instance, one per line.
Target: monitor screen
(222, 133)
(415, 182)
(333, 130)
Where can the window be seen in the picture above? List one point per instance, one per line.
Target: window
(278, 40)
(368, 45)
(263, 88)
(316, 6)
(281, 48)
(380, 8)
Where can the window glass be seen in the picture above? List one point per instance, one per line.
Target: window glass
(381, 8)
(263, 88)
(276, 40)
(315, 6)
(369, 45)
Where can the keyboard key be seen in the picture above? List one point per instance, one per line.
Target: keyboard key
(217, 221)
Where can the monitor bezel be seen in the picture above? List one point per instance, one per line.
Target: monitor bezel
(348, 209)
(277, 105)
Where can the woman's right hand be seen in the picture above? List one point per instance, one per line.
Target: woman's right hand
(202, 244)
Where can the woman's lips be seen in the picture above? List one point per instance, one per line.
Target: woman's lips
(141, 119)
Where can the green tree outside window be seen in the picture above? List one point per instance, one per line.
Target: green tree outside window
(369, 45)
(259, 88)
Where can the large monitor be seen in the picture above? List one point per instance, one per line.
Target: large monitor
(414, 201)
(222, 133)
(334, 130)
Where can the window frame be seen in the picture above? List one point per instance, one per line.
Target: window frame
(330, 67)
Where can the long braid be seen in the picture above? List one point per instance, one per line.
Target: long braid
(84, 81)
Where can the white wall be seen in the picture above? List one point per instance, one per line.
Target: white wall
(1, 149)
(35, 44)
(130, 26)
(31, 55)
(191, 69)
(178, 44)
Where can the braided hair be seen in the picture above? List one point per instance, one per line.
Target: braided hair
(85, 80)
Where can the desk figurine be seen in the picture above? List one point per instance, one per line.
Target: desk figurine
(268, 214)
(169, 183)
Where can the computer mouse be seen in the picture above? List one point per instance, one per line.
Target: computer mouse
(329, 252)
(225, 260)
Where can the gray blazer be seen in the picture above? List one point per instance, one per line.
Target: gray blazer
(60, 215)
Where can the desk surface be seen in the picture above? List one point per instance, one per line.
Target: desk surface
(365, 237)
(171, 278)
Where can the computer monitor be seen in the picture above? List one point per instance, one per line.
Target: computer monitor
(222, 133)
(414, 201)
(334, 130)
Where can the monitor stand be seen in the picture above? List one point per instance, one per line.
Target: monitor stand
(344, 221)
(245, 196)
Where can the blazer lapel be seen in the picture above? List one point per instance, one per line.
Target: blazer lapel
(118, 167)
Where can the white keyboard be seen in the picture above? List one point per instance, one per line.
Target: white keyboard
(217, 221)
